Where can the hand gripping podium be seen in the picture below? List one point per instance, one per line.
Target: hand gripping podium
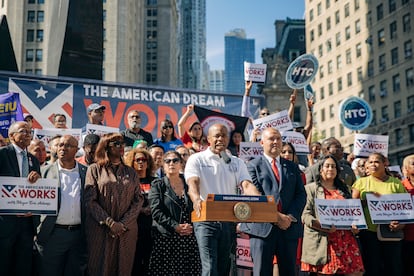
(237, 208)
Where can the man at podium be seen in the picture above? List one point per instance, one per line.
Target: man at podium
(213, 171)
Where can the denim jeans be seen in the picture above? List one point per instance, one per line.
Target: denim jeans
(216, 241)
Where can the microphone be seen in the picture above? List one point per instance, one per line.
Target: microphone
(225, 156)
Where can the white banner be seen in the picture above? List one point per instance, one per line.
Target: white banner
(343, 213)
(250, 150)
(18, 196)
(100, 129)
(48, 133)
(386, 208)
(280, 121)
(255, 72)
(297, 139)
(365, 144)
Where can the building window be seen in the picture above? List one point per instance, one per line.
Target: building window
(152, 12)
(337, 18)
(31, 1)
(323, 114)
(320, 50)
(328, 23)
(381, 63)
(357, 26)
(319, 8)
(396, 83)
(397, 109)
(321, 71)
(348, 56)
(369, 19)
(322, 93)
(31, 16)
(39, 35)
(408, 49)
(331, 111)
(406, 22)
(384, 114)
(356, 4)
(381, 37)
(323, 134)
(312, 35)
(347, 33)
(371, 93)
(403, 2)
(28, 71)
(409, 76)
(359, 73)
(332, 131)
(330, 67)
(39, 54)
(40, 1)
(151, 34)
(349, 79)
(38, 72)
(338, 39)
(399, 136)
(383, 88)
(30, 36)
(374, 118)
(339, 84)
(29, 55)
(311, 15)
(380, 12)
(393, 30)
(328, 3)
(40, 16)
(394, 56)
(358, 49)
(319, 29)
(346, 10)
(330, 88)
(328, 45)
(338, 62)
(411, 130)
(392, 5)
(410, 104)
(370, 68)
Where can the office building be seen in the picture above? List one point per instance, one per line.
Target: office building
(217, 80)
(365, 49)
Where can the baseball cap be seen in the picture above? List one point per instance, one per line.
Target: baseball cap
(95, 106)
(27, 116)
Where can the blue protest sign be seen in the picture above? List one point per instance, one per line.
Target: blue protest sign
(301, 71)
(355, 113)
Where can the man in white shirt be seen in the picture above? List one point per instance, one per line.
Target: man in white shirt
(60, 239)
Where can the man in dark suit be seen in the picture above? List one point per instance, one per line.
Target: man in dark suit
(285, 184)
(60, 239)
(17, 231)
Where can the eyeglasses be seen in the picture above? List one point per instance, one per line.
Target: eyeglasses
(99, 111)
(23, 131)
(62, 145)
(134, 116)
(165, 127)
(173, 160)
(265, 113)
(117, 144)
(141, 160)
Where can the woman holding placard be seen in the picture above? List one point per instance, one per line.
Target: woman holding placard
(380, 257)
(328, 251)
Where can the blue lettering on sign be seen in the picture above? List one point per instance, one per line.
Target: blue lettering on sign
(355, 113)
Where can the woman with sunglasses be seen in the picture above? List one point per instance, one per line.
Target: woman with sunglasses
(194, 137)
(167, 140)
(175, 250)
(113, 201)
(142, 162)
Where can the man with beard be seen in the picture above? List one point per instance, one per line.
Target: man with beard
(135, 132)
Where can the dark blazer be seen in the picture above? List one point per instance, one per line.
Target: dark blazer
(165, 208)
(292, 194)
(10, 167)
(45, 224)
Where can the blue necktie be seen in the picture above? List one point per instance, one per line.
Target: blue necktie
(25, 164)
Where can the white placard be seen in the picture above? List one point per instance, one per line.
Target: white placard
(386, 208)
(297, 139)
(18, 196)
(343, 213)
(100, 129)
(280, 121)
(365, 144)
(250, 150)
(255, 72)
(47, 134)
(243, 257)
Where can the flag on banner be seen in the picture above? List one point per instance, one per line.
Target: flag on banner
(44, 99)
(10, 111)
(209, 117)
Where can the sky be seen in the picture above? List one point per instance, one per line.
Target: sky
(255, 17)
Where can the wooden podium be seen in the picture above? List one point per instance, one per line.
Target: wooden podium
(237, 208)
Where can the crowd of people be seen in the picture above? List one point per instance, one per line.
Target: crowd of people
(125, 202)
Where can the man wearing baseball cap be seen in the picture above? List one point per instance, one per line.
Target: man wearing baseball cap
(96, 113)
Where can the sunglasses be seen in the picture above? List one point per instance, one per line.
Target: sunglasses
(117, 144)
(173, 160)
(143, 160)
(265, 114)
(165, 127)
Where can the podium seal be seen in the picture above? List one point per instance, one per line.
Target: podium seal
(242, 211)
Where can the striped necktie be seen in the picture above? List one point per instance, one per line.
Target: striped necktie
(25, 164)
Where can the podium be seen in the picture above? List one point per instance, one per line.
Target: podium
(237, 208)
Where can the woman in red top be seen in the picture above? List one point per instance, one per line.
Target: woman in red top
(408, 243)
(194, 137)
